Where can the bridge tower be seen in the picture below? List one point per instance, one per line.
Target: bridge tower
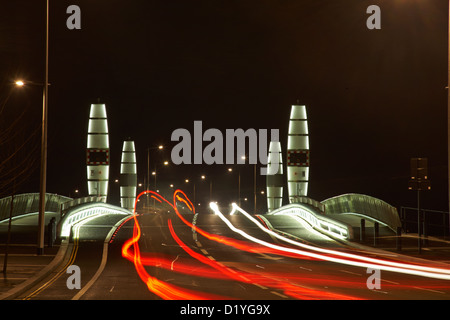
(97, 151)
(274, 178)
(298, 155)
(128, 176)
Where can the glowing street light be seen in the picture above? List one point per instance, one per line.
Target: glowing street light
(20, 83)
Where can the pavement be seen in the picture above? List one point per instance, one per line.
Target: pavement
(23, 267)
(20, 264)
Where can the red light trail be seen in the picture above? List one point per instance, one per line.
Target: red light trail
(209, 268)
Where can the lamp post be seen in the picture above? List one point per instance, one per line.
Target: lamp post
(448, 114)
(43, 178)
(160, 147)
(43, 170)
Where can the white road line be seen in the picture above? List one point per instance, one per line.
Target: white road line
(171, 265)
(356, 274)
(103, 262)
(307, 269)
(278, 294)
(431, 290)
(260, 286)
(388, 281)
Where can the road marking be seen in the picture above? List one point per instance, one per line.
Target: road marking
(73, 254)
(305, 268)
(279, 294)
(204, 252)
(102, 264)
(265, 256)
(171, 265)
(389, 281)
(354, 273)
(260, 286)
(379, 291)
(436, 291)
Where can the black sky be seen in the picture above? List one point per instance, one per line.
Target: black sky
(375, 98)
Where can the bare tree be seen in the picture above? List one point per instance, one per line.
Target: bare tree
(19, 143)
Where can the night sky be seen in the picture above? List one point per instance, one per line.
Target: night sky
(375, 98)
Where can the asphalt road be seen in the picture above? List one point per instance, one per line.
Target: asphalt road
(169, 259)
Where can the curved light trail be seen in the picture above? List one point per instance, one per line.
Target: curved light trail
(203, 266)
(386, 265)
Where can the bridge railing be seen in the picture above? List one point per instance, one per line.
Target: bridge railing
(316, 219)
(364, 205)
(29, 203)
(79, 201)
(86, 210)
(433, 222)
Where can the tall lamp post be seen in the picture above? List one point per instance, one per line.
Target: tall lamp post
(448, 114)
(43, 179)
(43, 170)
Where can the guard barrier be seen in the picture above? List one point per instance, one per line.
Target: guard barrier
(316, 219)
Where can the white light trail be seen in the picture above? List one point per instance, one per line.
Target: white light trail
(365, 262)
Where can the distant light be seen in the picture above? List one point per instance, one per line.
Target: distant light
(203, 177)
(160, 147)
(187, 180)
(213, 206)
(171, 185)
(230, 169)
(153, 173)
(20, 83)
(166, 163)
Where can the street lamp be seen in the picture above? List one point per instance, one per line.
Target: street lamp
(43, 171)
(160, 147)
(202, 177)
(448, 112)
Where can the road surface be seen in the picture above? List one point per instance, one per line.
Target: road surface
(166, 255)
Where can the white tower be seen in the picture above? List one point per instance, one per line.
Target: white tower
(298, 156)
(274, 178)
(97, 152)
(128, 176)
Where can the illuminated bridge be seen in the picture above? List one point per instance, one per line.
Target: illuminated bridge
(291, 253)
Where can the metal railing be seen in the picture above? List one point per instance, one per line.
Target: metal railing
(76, 202)
(365, 205)
(316, 219)
(433, 222)
(29, 203)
